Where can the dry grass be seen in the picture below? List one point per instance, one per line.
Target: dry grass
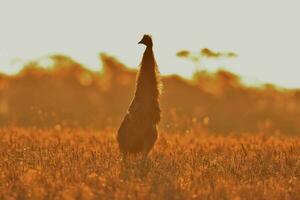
(77, 164)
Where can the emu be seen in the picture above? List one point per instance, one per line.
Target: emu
(138, 130)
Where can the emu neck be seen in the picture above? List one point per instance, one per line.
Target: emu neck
(148, 61)
(147, 82)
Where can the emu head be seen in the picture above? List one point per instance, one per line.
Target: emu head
(146, 40)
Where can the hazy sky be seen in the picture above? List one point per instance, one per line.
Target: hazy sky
(265, 34)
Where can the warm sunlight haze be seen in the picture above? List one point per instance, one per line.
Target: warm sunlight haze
(154, 100)
(264, 34)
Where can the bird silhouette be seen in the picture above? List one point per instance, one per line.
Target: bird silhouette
(138, 130)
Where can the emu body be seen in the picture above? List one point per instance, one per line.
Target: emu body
(138, 131)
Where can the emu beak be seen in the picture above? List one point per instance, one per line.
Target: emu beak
(140, 42)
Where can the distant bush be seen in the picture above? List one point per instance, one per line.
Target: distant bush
(69, 95)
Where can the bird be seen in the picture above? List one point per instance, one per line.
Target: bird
(138, 130)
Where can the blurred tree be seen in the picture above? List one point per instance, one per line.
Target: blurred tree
(196, 58)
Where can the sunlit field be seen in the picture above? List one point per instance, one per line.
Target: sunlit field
(218, 139)
(156, 100)
(85, 164)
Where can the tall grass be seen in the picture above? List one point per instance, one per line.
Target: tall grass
(83, 164)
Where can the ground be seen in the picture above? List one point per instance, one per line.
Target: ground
(85, 164)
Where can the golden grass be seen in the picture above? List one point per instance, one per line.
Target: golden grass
(81, 164)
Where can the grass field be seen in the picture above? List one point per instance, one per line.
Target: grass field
(81, 164)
